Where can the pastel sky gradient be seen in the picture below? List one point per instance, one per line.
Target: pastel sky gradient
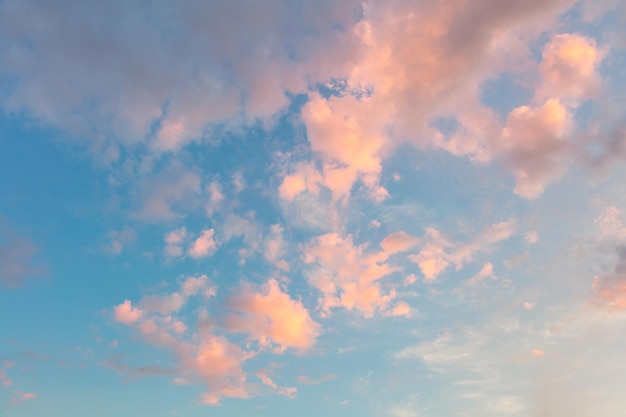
(403, 208)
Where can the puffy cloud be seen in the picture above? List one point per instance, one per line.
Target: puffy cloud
(391, 95)
(344, 132)
(126, 313)
(569, 68)
(347, 276)
(534, 141)
(305, 177)
(16, 258)
(204, 357)
(271, 317)
(218, 363)
(534, 145)
(398, 242)
(174, 241)
(192, 285)
(204, 245)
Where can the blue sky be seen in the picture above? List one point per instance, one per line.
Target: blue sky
(398, 209)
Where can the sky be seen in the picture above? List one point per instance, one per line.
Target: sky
(403, 208)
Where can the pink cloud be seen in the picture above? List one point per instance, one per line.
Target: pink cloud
(485, 272)
(398, 242)
(289, 392)
(569, 68)
(174, 241)
(271, 317)
(535, 147)
(6, 381)
(204, 245)
(347, 276)
(305, 177)
(344, 132)
(400, 309)
(610, 289)
(23, 397)
(192, 285)
(437, 253)
(126, 313)
(203, 357)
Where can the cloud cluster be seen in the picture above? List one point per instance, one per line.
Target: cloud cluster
(162, 74)
(200, 247)
(269, 316)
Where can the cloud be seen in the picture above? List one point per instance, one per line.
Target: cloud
(204, 357)
(216, 197)
(119, 239)
(305, 177)
(401, 309)
(390, 95)
(17, 253)
(346, 275)
(272, 318)
(6, 381)
(398, 242)
(302, 379)
(174, 241)
(122, 80)
(23, 397)
(204, 245)
(611, 288)
(126, 313)
(437, 253)
(289, 392)
(162, 194)
(569, 68)
(485, 272)
(534, 145)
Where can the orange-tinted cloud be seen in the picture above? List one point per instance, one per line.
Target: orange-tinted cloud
(437, 253)
(126, 313)
(272, 318)
(534, 145)
(204, 245)
(305, 177)
(398, 242)
(347, 276)
(569, 68)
